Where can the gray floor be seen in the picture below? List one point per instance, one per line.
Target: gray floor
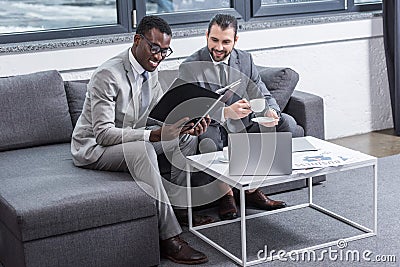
(348, 193)
(378, 143)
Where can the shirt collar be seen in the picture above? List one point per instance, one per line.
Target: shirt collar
(226, 60)
(135, 65)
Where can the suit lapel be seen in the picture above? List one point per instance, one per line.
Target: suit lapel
(209, 75)
(131, 79)
(234, 67)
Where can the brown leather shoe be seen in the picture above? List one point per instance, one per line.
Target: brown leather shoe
(182, 217)
(259, 200)
(177, 250)
(227, 208)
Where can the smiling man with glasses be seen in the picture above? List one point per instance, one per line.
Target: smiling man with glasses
(112, 133)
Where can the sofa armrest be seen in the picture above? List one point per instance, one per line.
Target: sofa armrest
(308, 111)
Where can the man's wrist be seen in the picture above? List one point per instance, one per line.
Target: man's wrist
(225, 112)
(155, 135)
(223, 118)
(278, 112)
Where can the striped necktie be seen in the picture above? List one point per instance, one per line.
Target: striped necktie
(222, 74)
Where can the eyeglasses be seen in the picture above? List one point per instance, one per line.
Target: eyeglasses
(155, 49)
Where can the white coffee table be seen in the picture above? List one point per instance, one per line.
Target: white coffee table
(210, 164)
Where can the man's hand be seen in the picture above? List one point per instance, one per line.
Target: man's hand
(237, 110)
(271, 113)
(170, 132)
(200, 128)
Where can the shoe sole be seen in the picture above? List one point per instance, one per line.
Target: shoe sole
(261, 208)
(186, 224)
(228, 217)
(185, 262)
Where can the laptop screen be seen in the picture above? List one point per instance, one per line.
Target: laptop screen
(260, 153)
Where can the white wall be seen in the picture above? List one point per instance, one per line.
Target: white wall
(343, 62)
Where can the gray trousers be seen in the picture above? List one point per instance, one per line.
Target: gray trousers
(140, 159)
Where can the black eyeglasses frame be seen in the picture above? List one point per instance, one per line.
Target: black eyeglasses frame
(155, 49)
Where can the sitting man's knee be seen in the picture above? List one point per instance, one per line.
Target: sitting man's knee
(289, 124)
(139, 149)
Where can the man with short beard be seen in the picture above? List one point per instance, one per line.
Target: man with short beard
(215, 66)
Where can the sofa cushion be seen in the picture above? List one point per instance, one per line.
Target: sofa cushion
(76, 92)
(43, 194)
(280, 82)
(33, 111)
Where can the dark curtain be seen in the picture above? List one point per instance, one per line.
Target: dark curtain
(391, 34)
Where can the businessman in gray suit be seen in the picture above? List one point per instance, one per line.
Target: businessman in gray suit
(217, 65)
(113, 133)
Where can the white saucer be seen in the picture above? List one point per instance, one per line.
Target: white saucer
(223, 160)
(263, 119)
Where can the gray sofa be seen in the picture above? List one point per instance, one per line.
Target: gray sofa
(55, 214)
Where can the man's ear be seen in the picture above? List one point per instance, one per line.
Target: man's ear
(207, 34)
(236, 38)
(136, 39)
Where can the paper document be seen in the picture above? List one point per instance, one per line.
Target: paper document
(317, 159)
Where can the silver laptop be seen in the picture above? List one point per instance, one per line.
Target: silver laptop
(260, 153)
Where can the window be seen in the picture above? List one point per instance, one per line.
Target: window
(178, 12)
(23, 20)
(29, 20)
(20, 16)
(284, 7)
(168, 6)
(364, 5)
(367, 1)
(190, 11)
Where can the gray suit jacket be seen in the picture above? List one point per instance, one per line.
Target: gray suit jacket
(198, 68)
(110, 113)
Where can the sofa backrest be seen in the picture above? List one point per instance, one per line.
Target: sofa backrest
(33, 111)
(40, 108)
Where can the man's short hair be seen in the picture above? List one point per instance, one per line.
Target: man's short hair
(224, 21)
(150, 22)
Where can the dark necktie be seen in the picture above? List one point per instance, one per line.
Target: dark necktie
(145, 93)
(222, 74)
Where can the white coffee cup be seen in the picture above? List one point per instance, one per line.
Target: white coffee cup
(257, 105)
(225, 153)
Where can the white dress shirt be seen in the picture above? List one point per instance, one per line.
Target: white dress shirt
(137, 71)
